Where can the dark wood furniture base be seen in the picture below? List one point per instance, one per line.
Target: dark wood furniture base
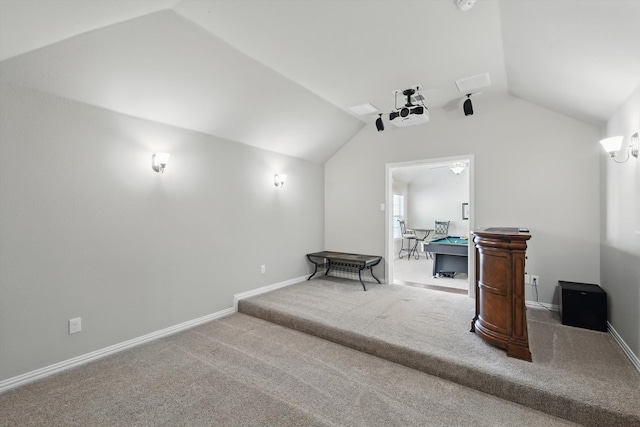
(501, 317)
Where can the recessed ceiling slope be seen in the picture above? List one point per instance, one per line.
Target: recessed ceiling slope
(271, 73)
(26, 25)
(355, 52)
(164, 68)
(580, 58)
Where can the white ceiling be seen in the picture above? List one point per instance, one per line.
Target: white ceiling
(427, 172)
(282, 74)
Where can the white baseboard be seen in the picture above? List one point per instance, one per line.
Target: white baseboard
(28, 377)
(264, 289)
(98, 354)
(536, 304)
(623, 345)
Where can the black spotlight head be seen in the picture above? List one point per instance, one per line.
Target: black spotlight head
(467, 107)
(379, 124)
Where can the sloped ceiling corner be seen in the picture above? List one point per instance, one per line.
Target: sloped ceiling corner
(26, 25)
(281, 75)
(164, 68)
(579, 58)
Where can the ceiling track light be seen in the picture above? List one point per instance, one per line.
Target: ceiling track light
(379, 124)
(467, 107)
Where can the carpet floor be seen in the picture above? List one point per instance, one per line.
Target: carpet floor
(244, 371)
(306, 356)
(576, 374)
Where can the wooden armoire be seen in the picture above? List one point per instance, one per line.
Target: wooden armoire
(501, 317)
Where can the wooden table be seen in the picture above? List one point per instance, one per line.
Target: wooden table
(345, 262)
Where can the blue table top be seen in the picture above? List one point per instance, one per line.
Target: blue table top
(451, 240)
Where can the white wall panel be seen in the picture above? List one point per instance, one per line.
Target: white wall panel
(533, 168)
(89, 230)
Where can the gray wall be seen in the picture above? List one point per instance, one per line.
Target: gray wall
(532, 168)
(430, 195)
(620, 232)
(438, 195)
(89, 230)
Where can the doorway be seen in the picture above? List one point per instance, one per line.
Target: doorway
(420, 193)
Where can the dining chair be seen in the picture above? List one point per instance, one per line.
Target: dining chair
(412, 241)
(441, 229)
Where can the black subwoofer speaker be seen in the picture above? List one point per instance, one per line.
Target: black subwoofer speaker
(583, 305)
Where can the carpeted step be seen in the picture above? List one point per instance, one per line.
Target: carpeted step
(243, 371)
(428, 331)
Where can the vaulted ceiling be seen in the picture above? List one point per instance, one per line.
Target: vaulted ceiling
(283, 74)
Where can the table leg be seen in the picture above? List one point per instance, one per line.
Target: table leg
(427, 255)
(435, 262)
(473, 323)
(360, 276)
(371, 270)
(315, 270)
(415, 250)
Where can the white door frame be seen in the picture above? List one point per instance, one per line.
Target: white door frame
(389, 248)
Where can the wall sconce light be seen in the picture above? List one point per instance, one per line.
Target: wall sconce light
(457, 167)
(159, 161)
(613, 144)
(279, 180)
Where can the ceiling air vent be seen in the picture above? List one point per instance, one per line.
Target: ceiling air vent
(473, 83)
(364, 109)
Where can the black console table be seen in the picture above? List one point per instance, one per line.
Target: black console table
(345, 262)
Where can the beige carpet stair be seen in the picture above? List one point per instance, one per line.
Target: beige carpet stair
(243, 371)
(576, 374)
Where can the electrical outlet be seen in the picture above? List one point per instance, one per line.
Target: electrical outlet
(263, 269)
(75, 325)
(527, 279)
(535, 280)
